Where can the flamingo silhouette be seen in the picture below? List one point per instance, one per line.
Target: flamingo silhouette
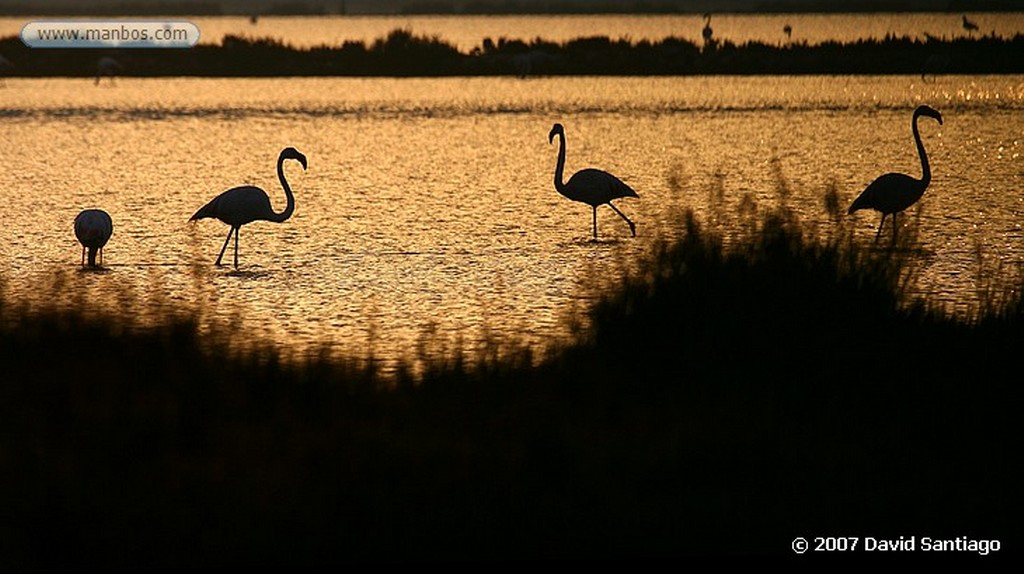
(968, 25)
(245, 204)
(93, 228)
(6, 67)
(107, 66)
(591, 186)
(707, 32)
(894, 192)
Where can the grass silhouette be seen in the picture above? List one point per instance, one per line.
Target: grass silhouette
(730, 395)
(402, 53)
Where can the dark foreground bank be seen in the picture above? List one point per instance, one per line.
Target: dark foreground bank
(725, 401)
(402, 53)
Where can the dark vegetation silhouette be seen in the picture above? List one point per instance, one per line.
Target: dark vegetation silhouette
(727, 396)
(402, 53)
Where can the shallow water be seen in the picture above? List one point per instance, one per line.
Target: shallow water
(428, 211)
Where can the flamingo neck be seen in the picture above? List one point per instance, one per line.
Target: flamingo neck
(925, 168)
(290, 207)
(560, 166)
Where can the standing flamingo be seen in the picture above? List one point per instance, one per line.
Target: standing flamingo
(93, 228)
(245, 204)
(707, 32)
(591, 186)
(894, 192)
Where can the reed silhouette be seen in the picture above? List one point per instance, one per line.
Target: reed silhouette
(93, 228)
(709, 407)
(245, 204)
(892, 193)
(401, 53)
(591, 186)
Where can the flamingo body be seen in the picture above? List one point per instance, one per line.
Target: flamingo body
(591, 186)
(107, 66)
(892, 193)
(245, 204)
(93, 228)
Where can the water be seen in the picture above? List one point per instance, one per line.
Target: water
(428, 212)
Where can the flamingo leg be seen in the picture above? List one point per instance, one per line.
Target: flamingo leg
(236, 246)
(595, 223)
(632, 226)
(225, 247)
(880, 226)
(894, 229)
(83, 256)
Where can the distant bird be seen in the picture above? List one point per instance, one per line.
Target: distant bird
(895, 192)
(245, 204)
(107, 66)
(591, 186)
(788, 31)
(968, 25)
(6, 67)
(707, 32)
(93, 228)
(254, 19)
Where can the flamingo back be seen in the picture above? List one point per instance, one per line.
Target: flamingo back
(890, 193)
(237, 206)
(93, 228)
(595, 187)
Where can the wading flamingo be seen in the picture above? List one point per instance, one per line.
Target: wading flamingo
(894, 192)
(245, 204)
(93, 228)
(591, 186)
(109, 67)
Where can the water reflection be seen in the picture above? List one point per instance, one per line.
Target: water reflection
(430, 207)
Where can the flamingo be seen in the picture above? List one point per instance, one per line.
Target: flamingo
(6, 67)
(591, 186)
(93, 228)
(894, 192)
(245, 204)
(968, 25)
(787, 30)
(107, 66)
(707, 32)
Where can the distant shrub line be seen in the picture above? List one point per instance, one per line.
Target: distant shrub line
(402, 53)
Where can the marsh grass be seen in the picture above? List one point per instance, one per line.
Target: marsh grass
(402, 53)
(731, 393)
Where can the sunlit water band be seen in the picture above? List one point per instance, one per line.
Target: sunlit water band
(428, 214)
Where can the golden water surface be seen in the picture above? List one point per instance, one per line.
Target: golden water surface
(428, 210)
